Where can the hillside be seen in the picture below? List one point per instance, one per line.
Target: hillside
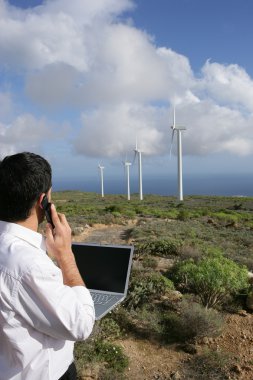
(146, 347)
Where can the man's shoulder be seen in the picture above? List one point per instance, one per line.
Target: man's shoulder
(18, 258)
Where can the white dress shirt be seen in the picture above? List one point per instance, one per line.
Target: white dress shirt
(40, 317)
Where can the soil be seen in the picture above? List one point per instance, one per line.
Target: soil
(148, 360)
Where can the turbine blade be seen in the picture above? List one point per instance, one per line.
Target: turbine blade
(171, 144)
(135, 154)
(136, 144)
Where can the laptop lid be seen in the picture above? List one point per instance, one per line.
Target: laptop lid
(104, 267)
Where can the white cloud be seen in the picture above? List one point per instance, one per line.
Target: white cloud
(54, 32)
(124, 66)
(213, 129)
(24, 133)
(53, 86)
(229, 84)
(242, 147)
(80, 55)
(27, 133)
(112, 132)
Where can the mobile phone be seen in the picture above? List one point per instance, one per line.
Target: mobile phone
(47, 208)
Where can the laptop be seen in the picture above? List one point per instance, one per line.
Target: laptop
(105, 270)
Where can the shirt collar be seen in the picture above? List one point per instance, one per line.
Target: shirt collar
(30, 236)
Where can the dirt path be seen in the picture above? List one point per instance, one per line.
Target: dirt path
(149, 360)
(106, 234)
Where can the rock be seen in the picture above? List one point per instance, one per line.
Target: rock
(173, 296)
(88, 374)
(242, 313)
(77, 231)
(247, 368)
(176, 376)
(211, 221)
(236, 368)
(189, 348)
(205, 340)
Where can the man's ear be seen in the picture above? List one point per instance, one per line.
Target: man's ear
(41, 199)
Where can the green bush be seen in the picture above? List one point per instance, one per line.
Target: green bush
(108, 329)
(116, 214)
(149, 262)
(226, 216)
(144, 287)
(213, 278)
(100, 351)
(159, 247)
(130, 213)
(111, 354)
(183, 215)
(113, 209)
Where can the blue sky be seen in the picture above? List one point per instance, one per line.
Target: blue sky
(81, 80)
(219, 30)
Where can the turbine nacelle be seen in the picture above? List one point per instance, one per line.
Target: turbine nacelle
(178, 128)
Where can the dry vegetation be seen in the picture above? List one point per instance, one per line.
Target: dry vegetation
(186, 255)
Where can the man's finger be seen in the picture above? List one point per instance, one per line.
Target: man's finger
(62, 218)
(55, 217)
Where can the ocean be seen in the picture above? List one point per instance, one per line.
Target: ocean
(213, 184)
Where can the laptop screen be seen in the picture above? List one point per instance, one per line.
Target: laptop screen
(103, 267)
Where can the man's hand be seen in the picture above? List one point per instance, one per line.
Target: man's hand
(58, 243)
(58, 240)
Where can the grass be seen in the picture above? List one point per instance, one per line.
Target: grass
(168, 229)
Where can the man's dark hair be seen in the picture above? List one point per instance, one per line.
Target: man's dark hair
(23, 178)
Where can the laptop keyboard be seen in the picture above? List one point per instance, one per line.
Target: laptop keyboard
(101, 299)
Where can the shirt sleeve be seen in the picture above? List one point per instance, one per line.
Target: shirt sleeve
(54, 309)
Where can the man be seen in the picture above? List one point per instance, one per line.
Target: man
(44, 307)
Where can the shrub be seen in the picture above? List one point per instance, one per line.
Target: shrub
(213, 278)
(193, 322)
(159, 247)
(142, 322)
(104, 352)
(111, 354)
(210, 364)
(144, 287)
(130, 213)
(108, 329)
(190, 251)
(149, 262)
(116, 214)
(113, 209)
(226, 216)
(183, 215)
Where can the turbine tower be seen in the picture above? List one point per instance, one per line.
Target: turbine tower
(127, 172)
(179, 130)
(101, 168)
(138, 152)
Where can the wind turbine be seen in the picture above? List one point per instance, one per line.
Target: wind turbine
(138, 152)
(101, 168)
(127, 171)
(179, 130)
